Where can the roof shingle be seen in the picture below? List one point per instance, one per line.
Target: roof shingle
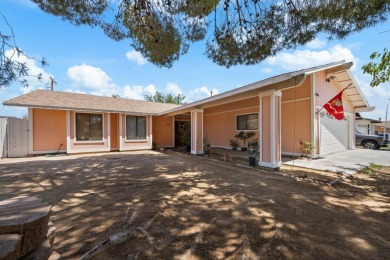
(74, 101)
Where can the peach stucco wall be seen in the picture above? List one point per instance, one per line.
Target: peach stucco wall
(163, 130)
(302, 91)
(49, 129)
(296, 117)
(199, 130)
(220, 121)
(87, 146)
(327, 90)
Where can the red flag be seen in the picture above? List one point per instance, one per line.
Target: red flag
(335, 106)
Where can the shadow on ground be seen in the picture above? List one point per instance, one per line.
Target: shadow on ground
(203, 209)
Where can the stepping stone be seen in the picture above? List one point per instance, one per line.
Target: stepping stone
(26, 216)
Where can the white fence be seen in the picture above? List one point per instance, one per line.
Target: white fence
(13, 137)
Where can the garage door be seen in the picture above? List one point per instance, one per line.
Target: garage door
(333, 134)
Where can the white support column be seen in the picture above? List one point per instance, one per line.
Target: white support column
(270, 128)
(197, 131)
(313, 123)
(109, 131)
(30, 131)
(151, 132)
(68, 150)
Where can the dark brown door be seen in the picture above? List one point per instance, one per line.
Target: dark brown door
(114, 132)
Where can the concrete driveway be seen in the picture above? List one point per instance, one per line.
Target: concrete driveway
(348, 162)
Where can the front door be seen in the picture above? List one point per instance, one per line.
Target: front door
(114, 132)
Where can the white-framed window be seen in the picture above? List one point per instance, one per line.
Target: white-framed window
(247, 122)
(89, 127)
(135, 127)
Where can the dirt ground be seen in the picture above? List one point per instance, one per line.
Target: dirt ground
(193, 208)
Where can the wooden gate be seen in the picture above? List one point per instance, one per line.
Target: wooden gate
(13, 137)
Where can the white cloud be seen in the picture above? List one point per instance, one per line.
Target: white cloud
(138, 92)
(173, 88)
(316, 44)
(267, 70)
(300, 59)
(91, 78)
(200, 93)
(74, 91)
(33, 71)
(26, 90)
(136, 56)
(150, 89)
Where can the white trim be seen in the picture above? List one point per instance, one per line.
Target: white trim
(359, 90)
(108, 130)
(194, 148)
(194, 119)
(280, 128)
(96, 150)
(75, 141)
(90, 142)
(313, 120)
(68, 131)
(272, 128)
(247, 130)
(267, 93)
(202, 132)
(30, 129)
(138, 141)
(49, 151)
(301, 74)
(120, 132)
(351, 128)
(295, 100)
(146, 130)
(233, 110)
(151, 132)
(270, 165)
(261, 128)
(223, 147)
(291, 154)
(136, 148)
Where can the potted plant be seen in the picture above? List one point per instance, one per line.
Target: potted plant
(206, 146)
(253, 151)
(185, 135)
(307, 148)
(244, 136)
(234, 144)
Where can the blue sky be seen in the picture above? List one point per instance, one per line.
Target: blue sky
(82, 59)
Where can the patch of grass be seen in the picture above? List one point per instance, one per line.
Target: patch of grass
(367, 171)
(375, 166)
(371, 168)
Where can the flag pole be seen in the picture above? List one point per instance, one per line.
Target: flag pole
(336, 95)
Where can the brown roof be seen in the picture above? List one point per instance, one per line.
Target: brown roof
(83, 102)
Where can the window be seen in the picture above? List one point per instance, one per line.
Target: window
(135, 127)
(89, 127)
(247, 122)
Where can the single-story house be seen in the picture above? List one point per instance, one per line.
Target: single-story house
(366, 125)
(281, 110)
(382, 127)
